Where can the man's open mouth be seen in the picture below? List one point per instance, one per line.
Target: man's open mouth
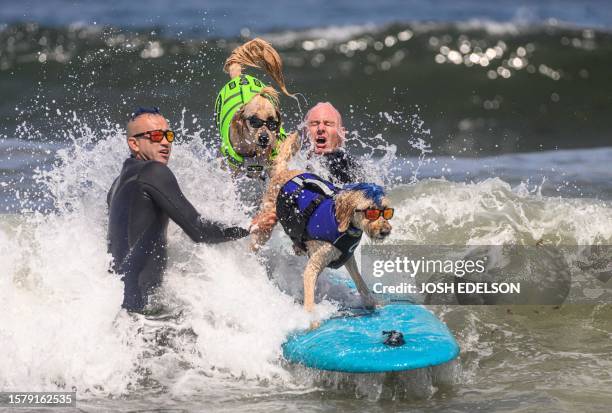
(321, 142)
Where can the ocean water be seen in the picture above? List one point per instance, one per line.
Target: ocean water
(487, 124)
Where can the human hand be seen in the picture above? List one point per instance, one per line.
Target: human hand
(263, 222)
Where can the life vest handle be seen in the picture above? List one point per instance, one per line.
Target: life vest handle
(324, 189)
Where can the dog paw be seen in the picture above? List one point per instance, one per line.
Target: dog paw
(370, 303)
(314, 325)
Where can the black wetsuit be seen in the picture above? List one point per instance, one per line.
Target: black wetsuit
(140, 202)
(343, 168)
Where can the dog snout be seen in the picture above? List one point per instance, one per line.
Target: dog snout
(385, 230)
(263, 139)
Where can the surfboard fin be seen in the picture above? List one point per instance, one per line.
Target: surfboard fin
(394, 338)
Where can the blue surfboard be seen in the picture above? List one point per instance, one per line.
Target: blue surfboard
(355, 343)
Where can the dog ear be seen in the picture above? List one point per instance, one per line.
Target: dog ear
(238, 127)
(278, 117)
(345, 208)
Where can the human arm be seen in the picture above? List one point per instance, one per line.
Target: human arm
(161, 185)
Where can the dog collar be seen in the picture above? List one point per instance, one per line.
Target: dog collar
(254, 169)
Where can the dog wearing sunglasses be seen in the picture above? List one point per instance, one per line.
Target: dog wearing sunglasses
(248, 112)
(323, 221)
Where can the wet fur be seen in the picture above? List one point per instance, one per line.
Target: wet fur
(244, 139)
(322, 253)
(259, 54)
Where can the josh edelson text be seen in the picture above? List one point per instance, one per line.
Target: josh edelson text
(408, 269)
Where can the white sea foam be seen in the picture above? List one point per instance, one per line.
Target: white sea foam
(331, 34)
(62, 325)
(328, 36)
(491, 212)
(325, 37)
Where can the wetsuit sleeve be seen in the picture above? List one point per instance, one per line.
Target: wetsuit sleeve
(160, 183)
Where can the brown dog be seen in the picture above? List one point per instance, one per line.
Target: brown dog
(328, 241)
(247, 111)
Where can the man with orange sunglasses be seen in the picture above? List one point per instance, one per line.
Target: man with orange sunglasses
(142, 200)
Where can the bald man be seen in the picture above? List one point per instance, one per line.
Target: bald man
(142, 200)
(323, 126)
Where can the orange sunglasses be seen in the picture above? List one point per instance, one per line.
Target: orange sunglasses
(157, 135)
(373, 213)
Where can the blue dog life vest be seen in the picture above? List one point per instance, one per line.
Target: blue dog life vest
(306, 209)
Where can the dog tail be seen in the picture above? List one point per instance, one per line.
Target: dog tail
(259, 54)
